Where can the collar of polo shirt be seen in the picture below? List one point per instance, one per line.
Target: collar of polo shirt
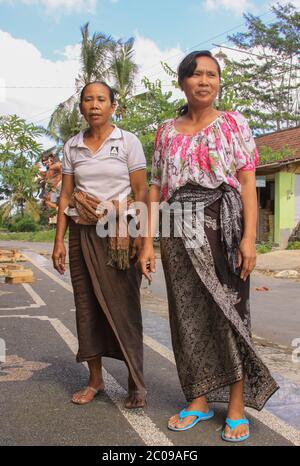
(78, 139)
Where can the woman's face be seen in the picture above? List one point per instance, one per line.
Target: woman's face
(202, 87)
(96, 106)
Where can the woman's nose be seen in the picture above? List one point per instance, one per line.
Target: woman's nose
(203, 79)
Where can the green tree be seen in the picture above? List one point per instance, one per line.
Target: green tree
(266, 154)
(65, 122)
(95, 52)
(19, 151)
(102, 58)
(146, 111)
(95, 60)
(269, 78)
(123, 72)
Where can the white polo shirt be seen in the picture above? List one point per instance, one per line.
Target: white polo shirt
(104, 174)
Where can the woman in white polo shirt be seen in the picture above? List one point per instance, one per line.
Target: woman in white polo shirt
(103, 163)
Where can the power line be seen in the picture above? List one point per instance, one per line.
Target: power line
(151, 76)
(154, 66)
(208, 40)
(246, 52)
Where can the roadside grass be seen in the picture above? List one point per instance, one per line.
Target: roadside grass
(35, 236)
(263, 248)
(293, 245)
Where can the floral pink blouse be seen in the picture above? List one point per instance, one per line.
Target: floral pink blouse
(209, 158)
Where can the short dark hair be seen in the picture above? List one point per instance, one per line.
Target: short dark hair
(187, 67)
(111, 92)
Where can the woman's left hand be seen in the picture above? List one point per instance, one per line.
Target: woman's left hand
(136, 247)
(247, 257)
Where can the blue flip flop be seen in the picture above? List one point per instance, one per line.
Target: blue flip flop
(199, 417)
(232, 425)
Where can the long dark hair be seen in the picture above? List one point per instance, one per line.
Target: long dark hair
(187, 67)
(111, 91)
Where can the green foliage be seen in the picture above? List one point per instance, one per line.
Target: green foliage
(38, 236)
(102, 59)
(94, 56)
(263, 248)
(268, 155)
(25, 223)
(293, 245)
(123, 71)
(146, 111)
(269, 78)
(65, 122)
(19, 151)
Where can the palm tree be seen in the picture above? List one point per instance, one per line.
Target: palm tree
(94, 56)
(95, 52)
(123, 71)
(65, 121)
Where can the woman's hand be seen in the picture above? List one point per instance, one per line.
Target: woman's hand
(147, 261)
(136, 247)
(59, 257)
(247, 257)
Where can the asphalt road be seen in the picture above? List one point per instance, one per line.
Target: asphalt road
(275, 313)
(39, 376)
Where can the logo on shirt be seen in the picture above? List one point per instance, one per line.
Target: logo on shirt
(114, 151)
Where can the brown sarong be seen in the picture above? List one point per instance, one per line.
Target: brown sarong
(209, 305)
(108, 311)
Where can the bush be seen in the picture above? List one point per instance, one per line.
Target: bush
(294, 245)
(263, 248)
(25, 223)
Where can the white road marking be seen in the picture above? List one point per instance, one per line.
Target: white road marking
(38, 302)
(138, 419)
(50, 274)
(36, 298)
(270, 420)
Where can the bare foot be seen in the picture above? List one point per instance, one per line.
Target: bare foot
(199, 404)
(135, 400)
(87, 394)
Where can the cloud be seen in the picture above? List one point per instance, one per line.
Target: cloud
(148, 57)
(34, 84)
(69, 6)
(236, 6)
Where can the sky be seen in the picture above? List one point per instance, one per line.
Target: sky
(40, 41)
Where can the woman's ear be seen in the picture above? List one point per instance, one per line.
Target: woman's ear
(80, 108)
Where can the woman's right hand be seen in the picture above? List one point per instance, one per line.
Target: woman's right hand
(59, 257)
(147, 261)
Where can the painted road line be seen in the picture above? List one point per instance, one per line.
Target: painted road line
(36, 298)
(270, 420)
(38, 302)
(49, 274)
(138, 419)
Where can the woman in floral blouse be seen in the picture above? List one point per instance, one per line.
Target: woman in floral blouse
(207, 157)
